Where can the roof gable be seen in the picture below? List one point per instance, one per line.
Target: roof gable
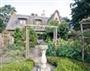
(55, 16)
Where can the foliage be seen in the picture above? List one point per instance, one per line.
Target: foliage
(66, 19)
(49, 31)
(2, 25)
(48, 34)
(80, 9)
(88, 48)
(51, 51)
(53, 23)
(68, 48)
(87, 35)
(5, 13)
(13, 53)
(65, 64)
(33, 37)
(20, 36)
(18, 39)
(18, 66)
(63, 30)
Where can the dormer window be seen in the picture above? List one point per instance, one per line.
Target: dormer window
(22, 21)
(38, 21)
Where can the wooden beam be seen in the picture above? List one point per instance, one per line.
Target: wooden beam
(82, 40)
(27, 42)
(44, 26)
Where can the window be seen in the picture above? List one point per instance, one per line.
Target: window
(38, 22)
(22, 21)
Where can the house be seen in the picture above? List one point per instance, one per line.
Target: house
(20, 21)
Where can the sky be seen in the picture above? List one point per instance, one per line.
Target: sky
(38, 6)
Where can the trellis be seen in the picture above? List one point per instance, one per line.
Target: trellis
(82, 23)
(41, 26)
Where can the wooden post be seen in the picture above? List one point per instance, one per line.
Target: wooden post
(55, 35)
(27, 42)
(82, 40)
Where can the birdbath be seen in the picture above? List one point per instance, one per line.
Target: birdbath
(43, 60)
(43, 57)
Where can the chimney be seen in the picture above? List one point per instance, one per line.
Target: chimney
(32, 14)
(43, 13)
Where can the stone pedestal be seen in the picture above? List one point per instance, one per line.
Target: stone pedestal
(42, 64)
(43, 60)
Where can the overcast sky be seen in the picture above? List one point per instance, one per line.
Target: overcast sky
(37, 6)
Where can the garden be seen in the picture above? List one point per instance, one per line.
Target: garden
(70, 51)
(64, 55)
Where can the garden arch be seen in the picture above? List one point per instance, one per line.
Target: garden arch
(41, 26)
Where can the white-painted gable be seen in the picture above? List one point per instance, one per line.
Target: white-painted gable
(56, 17)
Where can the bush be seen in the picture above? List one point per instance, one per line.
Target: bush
(18, 66)
(63, 30)
(65, 48)
(51, 51)
(68, 52)
(18, 39)
(16, 47)
(87, 34)
(65, 64)
(70, 49)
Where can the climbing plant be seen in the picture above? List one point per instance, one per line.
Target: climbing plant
(32, 37)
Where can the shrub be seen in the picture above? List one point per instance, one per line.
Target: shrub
(65, 48)
(51, 51)
(65, 64)
(63, 30)
(20, 37)
(87, 35)
(70, 49)
(68, 52)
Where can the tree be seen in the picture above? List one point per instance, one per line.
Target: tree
(66, 19)
(80, 9)
(5, 13)
(63, 30)
(2, 25)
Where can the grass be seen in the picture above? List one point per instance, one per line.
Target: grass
(18, 65)
(66, 64)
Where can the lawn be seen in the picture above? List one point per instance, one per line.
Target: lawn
(66, 64)
(18, 65)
